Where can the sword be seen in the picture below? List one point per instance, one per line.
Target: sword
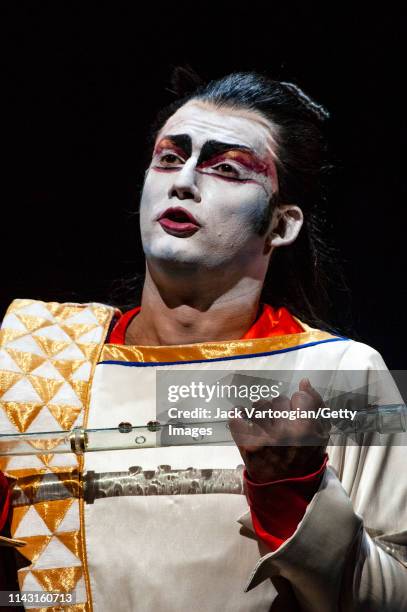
(381, 420)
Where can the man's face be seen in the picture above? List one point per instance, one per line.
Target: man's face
(207, 193)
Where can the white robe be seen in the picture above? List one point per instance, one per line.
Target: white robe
(177, 552)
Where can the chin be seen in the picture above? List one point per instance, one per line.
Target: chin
(174, 257)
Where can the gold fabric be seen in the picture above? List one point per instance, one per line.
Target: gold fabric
(21, 415)
(45, 387)
(72, 541)
(8, 380)
(61, 580)
(44, 346)
(46, 445)
(65, 415)
(34, 546)
(209, 350)
(52, 514)
(27, 362)
(18, 513)
(7, 335)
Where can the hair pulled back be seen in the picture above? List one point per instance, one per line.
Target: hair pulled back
(300, 276)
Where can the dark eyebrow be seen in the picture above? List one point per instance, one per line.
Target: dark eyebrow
(181, 141)
(211, 148)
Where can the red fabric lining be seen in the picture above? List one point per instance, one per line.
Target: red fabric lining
(270, 322)
(277, 507)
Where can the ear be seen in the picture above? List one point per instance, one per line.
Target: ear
(286, 223)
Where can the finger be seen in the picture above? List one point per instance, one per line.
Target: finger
(271, 428)
(305, 385)
(314, 429)
(280, 402)
(301, 400)
(247, 434)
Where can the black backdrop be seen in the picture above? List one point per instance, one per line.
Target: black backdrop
(81, 83)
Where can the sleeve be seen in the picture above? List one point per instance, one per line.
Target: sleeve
(277, 507)
(331, 561)
(349, 551)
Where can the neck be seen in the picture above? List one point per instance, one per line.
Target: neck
(203, 308)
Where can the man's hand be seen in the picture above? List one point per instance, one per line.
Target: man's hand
(273, 449)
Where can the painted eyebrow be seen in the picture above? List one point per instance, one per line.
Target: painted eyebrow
(211, 148)
(180, 141)
(182, 144)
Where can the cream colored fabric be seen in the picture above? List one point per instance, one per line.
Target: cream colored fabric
(175, 553)
(179, 552)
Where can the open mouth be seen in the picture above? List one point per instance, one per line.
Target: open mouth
(178, 221)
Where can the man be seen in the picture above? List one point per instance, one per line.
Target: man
(219, 199)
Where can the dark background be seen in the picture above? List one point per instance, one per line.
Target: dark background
(81, 83)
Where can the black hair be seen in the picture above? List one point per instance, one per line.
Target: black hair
(304, 275)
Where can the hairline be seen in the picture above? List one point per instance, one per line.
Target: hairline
(239, 110)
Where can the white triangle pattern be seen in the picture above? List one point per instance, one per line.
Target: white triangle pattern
(47, 370)
(44, 421)
(6, 426)
(63, 460)
(78, 421)
(31, 584)
(91, 337)
(66, 396)
(22, 391)
(83, 372)
(19, 462)
(70, 353)
(37, 309)
(31, 524)
(7, 363)
(70, 522)
(56, 554)
(10, 321)
(84, 317)
(26, 344)
(53, 332)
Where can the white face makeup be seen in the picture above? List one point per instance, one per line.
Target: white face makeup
(215, 168)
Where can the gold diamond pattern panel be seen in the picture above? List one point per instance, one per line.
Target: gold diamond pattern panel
(48, 352)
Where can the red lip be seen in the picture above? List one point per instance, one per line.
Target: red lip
(178, 222)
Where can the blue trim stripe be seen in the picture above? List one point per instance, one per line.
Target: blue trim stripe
(146, 364)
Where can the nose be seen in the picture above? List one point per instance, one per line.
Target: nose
(184, 186)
